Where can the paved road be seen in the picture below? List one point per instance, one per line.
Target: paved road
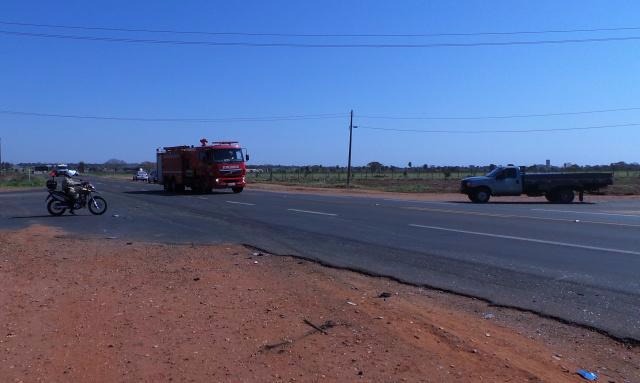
(578, 262)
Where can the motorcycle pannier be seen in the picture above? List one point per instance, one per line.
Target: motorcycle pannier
(52, 184)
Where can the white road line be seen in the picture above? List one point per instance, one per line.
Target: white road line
(565, 244)
(417, 201)
(587, 212)
(312, 212)
(496, 215)
(241, 203)
(203, 198)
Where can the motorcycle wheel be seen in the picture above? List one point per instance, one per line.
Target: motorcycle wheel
(97, 205)
(56, 207)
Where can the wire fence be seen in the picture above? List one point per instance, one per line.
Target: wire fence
(335, 176)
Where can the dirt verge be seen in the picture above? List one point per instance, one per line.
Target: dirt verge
(106, 311)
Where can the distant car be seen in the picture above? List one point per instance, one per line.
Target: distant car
(141, 175)
(63, 169)
(153, 177)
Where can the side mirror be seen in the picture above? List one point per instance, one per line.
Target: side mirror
(246, 157)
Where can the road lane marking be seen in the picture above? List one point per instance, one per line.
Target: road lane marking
(313, 212)
(241, 203)
(417, 201)
(516, 216)
(587, 212)
(556, 243)
(203, 198)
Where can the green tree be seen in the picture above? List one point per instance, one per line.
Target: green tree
(375, 166)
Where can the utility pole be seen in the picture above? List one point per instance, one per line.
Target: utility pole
(350, 139)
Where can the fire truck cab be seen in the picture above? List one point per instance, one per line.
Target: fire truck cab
(203, 168)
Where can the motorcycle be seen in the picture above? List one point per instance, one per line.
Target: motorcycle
(58, 201)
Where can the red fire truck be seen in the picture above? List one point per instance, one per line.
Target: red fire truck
(202, 168)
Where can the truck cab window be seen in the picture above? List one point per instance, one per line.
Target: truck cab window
(227, 155)
(510, 173)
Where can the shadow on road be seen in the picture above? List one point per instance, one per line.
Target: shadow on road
(167, 194)
(524, 203)
(48, 216)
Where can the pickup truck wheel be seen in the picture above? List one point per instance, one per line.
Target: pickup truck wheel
(472, 197)
(566, 196)
(481, 195)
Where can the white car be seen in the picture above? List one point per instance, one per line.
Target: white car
(141, 175)
(64, 169)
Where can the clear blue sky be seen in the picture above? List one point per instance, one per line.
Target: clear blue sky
(169, 81)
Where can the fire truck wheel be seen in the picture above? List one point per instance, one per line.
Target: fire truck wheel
(237, 190)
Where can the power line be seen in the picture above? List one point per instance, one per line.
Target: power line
(295, 117)
(307, 45)
(442, 34)
(497, 117)
(191, 120)
(503, 130)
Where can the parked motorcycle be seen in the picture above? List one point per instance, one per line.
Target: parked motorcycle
(58, 201)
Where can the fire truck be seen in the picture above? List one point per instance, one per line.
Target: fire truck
(218, 165)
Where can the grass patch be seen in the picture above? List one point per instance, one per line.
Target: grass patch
(117, 176)
(624, 183)
(20, 180)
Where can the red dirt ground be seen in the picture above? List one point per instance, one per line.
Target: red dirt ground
(98, 310)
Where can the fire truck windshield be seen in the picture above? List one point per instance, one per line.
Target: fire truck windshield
(227, 155)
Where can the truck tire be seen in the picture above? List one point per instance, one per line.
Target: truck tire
(179, 188)
(172, 185)
(481, 195)
(472, 197)
(551, 197)
(566, 196)
(237, 189)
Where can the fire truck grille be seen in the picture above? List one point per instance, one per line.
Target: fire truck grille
(231, 173)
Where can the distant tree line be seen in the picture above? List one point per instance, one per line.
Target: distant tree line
(373, 167)
(110, 166)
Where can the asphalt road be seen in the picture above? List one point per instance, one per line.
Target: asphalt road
(578, 262)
